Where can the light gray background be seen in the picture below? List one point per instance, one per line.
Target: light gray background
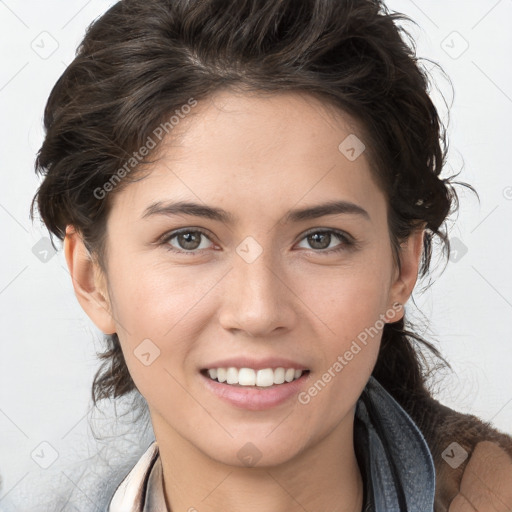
(48, 343)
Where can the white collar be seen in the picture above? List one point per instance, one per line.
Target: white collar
(132, 495)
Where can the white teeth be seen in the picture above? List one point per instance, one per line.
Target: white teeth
(289, 375)
(265, 378)
(279, 375)
(249, 377)
(221, 374)
(232, 375)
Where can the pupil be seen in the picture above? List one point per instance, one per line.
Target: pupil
(188, 239)
(315, 240)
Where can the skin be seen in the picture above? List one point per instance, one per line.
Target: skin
(486, 481)
(256, 156)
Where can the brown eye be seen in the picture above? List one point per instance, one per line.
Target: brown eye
(321, 240)
(187, 241)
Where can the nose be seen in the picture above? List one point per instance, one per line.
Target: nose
(257, 298)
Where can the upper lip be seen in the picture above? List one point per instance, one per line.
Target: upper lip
(256, 364)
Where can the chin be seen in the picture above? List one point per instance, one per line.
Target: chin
(255, 450)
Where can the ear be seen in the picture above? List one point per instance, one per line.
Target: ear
(405, 279)
(89, 282)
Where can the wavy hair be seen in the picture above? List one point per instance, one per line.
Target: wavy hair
(144, 59)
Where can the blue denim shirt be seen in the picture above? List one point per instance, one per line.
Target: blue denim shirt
(397, 466)
(394, 459)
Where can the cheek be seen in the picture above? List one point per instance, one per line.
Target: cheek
(351, 304)
(349, 354)
(156, 300)
(158, 314)
(347, 299)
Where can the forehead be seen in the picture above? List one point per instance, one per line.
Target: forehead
(253, 149)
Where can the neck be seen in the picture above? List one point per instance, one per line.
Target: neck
(325, 476)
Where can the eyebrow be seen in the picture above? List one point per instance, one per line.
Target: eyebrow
(221, 215)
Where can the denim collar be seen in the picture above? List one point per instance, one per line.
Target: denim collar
(397, 466)
(394, 458)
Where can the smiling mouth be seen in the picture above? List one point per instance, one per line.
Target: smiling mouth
(258, 379)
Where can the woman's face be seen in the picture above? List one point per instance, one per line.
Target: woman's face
(262, 288)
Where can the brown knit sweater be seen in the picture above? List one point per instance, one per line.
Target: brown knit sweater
(479, 481)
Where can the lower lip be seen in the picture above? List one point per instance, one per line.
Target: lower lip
(256, 399)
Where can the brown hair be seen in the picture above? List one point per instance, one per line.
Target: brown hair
(144, 59)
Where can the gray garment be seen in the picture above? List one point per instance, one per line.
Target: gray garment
(396, 464)
(393, 455)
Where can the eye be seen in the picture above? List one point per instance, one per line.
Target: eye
(188, 240)
(321, 240)
(191, 241)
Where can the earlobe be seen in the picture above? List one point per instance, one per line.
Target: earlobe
(88, 282)
(410, 257)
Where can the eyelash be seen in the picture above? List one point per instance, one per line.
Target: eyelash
(347, 241)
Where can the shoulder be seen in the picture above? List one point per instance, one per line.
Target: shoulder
(473, 460)
(486, 483)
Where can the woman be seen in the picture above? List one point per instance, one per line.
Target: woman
(247, 192)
